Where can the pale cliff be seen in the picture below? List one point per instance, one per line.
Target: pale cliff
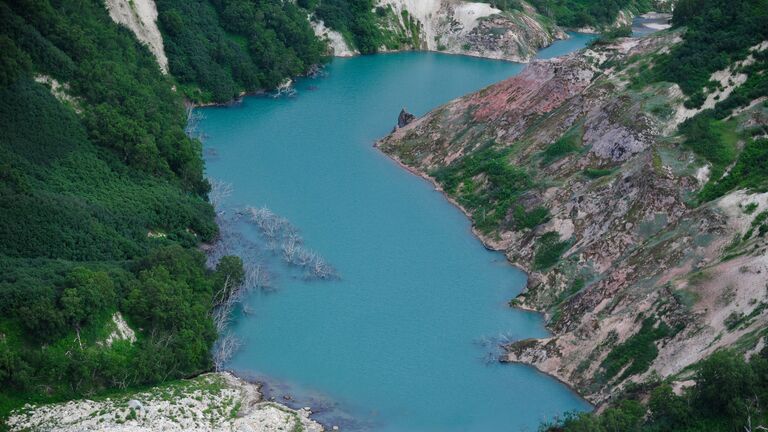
(471, 28)
(140, 16)
(456, 27)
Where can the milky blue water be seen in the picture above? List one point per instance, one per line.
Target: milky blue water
(406, 339)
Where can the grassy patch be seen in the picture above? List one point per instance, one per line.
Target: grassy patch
(637, 352)
(529, 219)
(750, 208)
(686, 298)
(759, 223)
(595, 173)
(549, 249)
(712, 139)
(486, 184)
(750, 171)
(567, 144)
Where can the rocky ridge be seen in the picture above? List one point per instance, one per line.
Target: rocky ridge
(640, 266)
(471, 28)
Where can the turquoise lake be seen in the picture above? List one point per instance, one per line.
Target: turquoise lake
(406, 339)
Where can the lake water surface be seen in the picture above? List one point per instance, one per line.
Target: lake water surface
(406, 339)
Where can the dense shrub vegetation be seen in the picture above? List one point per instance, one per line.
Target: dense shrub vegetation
(636, 354)
(718, 35)
(549, 248)
(219, 48)
(584, 13)
(729, 395)
(354, 20)
(486, 184)
(570, 142)
(719, 32)
(102, 203)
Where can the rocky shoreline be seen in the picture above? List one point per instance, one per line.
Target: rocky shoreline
(213, 402)
(634, 249)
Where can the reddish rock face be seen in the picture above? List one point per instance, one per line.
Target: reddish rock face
(540, 88)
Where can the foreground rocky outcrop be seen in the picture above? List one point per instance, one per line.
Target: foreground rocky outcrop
(642, 282)
(216, 402)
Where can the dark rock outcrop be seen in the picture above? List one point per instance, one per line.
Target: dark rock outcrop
(405, 118)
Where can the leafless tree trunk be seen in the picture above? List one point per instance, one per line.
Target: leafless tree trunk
(226, 347)
(219, 192)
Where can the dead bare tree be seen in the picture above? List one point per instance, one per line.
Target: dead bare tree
(220, 191)
(194, 117)
(223, 350)
(289, 249)
(753, 407)
(322, 270)
(256, 276)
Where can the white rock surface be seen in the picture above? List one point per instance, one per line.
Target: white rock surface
(217, 402)
(435, 14)
(462, 27)
(60, 91)
(122, 331)
(140, 16)
(336, 42)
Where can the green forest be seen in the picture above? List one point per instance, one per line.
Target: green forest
(218, 49)
(719, 34)
(729, 394)
(579, 13)
(102, 205)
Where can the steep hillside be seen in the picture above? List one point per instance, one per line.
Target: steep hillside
(643, 233)
(218, 50)
(103, 203)
(476, 29)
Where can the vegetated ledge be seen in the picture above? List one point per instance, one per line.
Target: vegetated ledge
(577, 172)
(213, 402)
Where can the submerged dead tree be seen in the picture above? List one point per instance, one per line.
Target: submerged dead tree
(224, 349)
(280, 238)
(283, 238)
(194, 117)
(241, 267)
(220, 191)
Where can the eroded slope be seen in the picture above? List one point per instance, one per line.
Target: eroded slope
(577, 172)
